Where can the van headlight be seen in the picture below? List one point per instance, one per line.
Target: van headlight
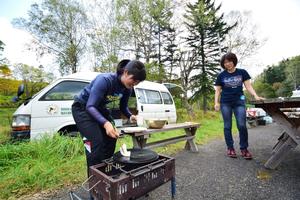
(21, 123)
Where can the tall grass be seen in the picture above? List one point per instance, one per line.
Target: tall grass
(29, 167)
(5, 123)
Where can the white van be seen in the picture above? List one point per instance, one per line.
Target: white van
(296, 93)
(49, 110)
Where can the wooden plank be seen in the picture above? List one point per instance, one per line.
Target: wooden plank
(282, 101)
(277, 157)
(168, 141)
(288, 126)
(168, 127)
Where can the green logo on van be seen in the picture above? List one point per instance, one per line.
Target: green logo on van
(65, 111)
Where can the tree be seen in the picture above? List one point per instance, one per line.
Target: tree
(169, 59)
(264, 89)
(3, 60)
(293, 71)
(106, 35)
(273, 74)
(162, 12)
(5, 72)
(59, 28)
(205, 30)
(33, 78)
(242, 38)
(1, 50)
(186, 63)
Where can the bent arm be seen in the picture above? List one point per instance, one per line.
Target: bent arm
(124, 104)
(97, 95)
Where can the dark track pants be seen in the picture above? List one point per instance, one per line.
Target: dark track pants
(98, 146)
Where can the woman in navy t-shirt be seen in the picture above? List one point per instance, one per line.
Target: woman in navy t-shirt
(229, 85)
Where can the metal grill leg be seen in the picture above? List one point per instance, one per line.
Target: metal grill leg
(173, 187)
(72, 194)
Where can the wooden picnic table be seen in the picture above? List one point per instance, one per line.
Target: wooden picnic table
(281, 110)
(140, 138)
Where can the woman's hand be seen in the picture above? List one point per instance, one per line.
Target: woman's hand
(258, 98)
(217, 106)
(111, 131)
(133, 118)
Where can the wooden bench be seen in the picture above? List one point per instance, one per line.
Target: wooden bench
(139, 139)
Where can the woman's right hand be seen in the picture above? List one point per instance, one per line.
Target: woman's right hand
(217, 106)
(111, 131)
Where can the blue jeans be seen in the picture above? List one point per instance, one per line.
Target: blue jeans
(239, 109)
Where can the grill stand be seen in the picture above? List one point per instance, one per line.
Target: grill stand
(113, 181)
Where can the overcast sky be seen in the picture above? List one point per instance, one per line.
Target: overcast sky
(278, 21)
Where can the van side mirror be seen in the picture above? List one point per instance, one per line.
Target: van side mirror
(21, 89)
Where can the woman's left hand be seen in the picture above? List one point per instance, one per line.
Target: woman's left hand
(258, 98)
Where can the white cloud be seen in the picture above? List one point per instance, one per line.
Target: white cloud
(15, 51)
(278, 22)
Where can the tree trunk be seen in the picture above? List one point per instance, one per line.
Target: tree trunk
(204, 103)
(188, 107)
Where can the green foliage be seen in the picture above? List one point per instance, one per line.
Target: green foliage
(279, 80)
(264, 89)
(293, 71)
(5, 71)
(5, 123)
(154, 72)
(274, 74)
(33, 78)
(1, 50)
(147, 23)
(9, 87)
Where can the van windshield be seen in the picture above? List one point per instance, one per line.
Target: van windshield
(65, 90)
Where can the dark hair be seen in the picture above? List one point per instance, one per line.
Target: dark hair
(134, 67)
(229, 56)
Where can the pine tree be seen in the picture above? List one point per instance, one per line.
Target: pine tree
(169, 59)
(206, 30)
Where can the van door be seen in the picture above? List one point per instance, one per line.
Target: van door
(53, 109)
(149, 103)
(169, 107)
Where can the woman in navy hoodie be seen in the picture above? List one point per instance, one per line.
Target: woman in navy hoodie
(94, 120)
(229, 85)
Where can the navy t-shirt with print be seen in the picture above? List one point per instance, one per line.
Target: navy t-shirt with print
(232, 84)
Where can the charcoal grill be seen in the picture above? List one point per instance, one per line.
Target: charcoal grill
(113, 181)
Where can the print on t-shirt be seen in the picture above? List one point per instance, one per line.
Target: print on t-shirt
(233, 82)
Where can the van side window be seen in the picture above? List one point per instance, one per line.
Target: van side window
(153, 97)
(65, 90)
(167, 98)
(141, 96)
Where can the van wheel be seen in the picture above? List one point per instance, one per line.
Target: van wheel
(72, 134)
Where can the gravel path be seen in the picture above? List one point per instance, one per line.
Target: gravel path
(211, 175)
